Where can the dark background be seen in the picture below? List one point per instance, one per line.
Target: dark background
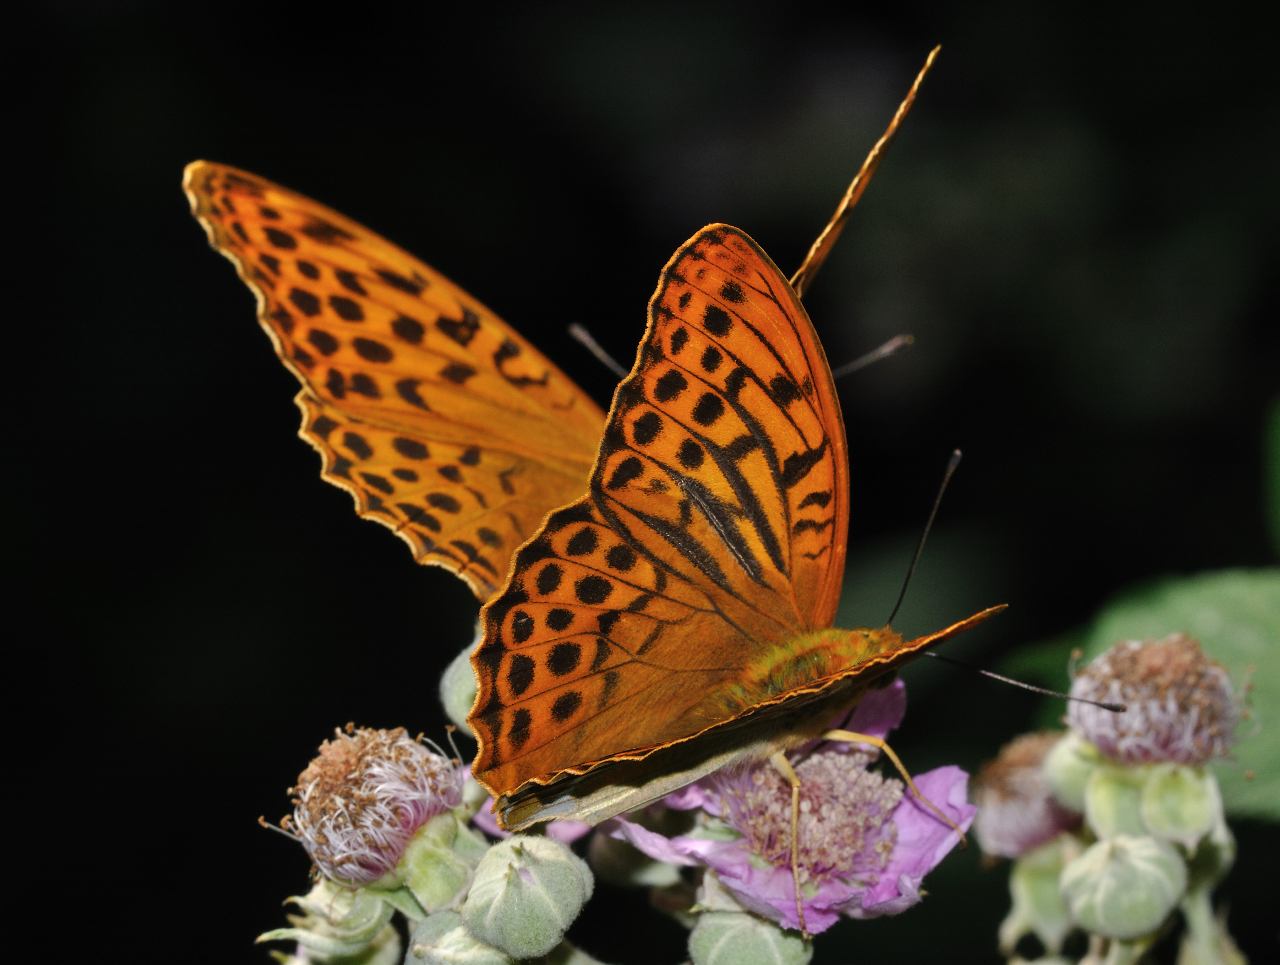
(1077, 223)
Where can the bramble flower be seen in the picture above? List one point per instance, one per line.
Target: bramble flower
(360, 801)
(865, 845)
(1016, 807)
(1181, 705)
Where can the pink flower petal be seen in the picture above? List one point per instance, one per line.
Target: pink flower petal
(923, 841)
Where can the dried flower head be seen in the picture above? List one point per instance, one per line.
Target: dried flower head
(358, 803)
(1181, 705)
(1016, 809)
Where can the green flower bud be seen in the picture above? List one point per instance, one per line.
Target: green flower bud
(739, 938)
(432, 867)
(526, 892)
(1068, 767)
(339, 922)
(1038, 907)
(458, 688)
(1113, 801)
(443, 939)
(1124, 887)
(1180, 803)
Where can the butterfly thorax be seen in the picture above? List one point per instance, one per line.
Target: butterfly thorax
(810, 661)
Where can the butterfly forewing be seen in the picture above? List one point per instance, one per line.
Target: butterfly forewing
(713, 529)
(440, 420)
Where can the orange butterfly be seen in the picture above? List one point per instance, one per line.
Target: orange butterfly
(671, 621)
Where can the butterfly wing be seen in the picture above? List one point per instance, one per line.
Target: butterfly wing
(437, 417)
(713, 532)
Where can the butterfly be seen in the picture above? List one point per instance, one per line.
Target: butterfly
(676, 618)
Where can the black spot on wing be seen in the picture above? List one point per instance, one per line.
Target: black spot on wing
(461, 330)
(564, 659)
(566, 706)
(549, 577)
(646, 428)
(716, 321)
(346, 309)
(371, 351)
(408, 329)
(410, 448)
(281, 239)
(305, 302)
(407, 389)
(628, 470)
(518, 735)
(349, 281)
(520, 673)
(799, 464)
(592, 590)
(583, 542)
(559, 619)
(395, 280)
(818, 498)
(522, 626)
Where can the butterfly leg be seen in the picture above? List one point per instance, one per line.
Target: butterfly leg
(783, 767)
(852, 737)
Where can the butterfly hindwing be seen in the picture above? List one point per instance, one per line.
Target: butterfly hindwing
(441, 421)
(713, 530)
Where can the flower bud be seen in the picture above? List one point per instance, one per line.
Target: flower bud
(1124, 887)
(1068, 767)
(458, 688)
(340, 922)
(1037, 904)
(1016, 811)
(443, 939)
(435, 866)
(1180, 803)
(1113, 801)
(738, 938)
(1181, 705)
(525, 894)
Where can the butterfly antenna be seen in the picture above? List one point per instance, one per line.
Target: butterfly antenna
(1105, 705)
(952, 465)
(891, 347)
(592, 346)
(827, 238)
